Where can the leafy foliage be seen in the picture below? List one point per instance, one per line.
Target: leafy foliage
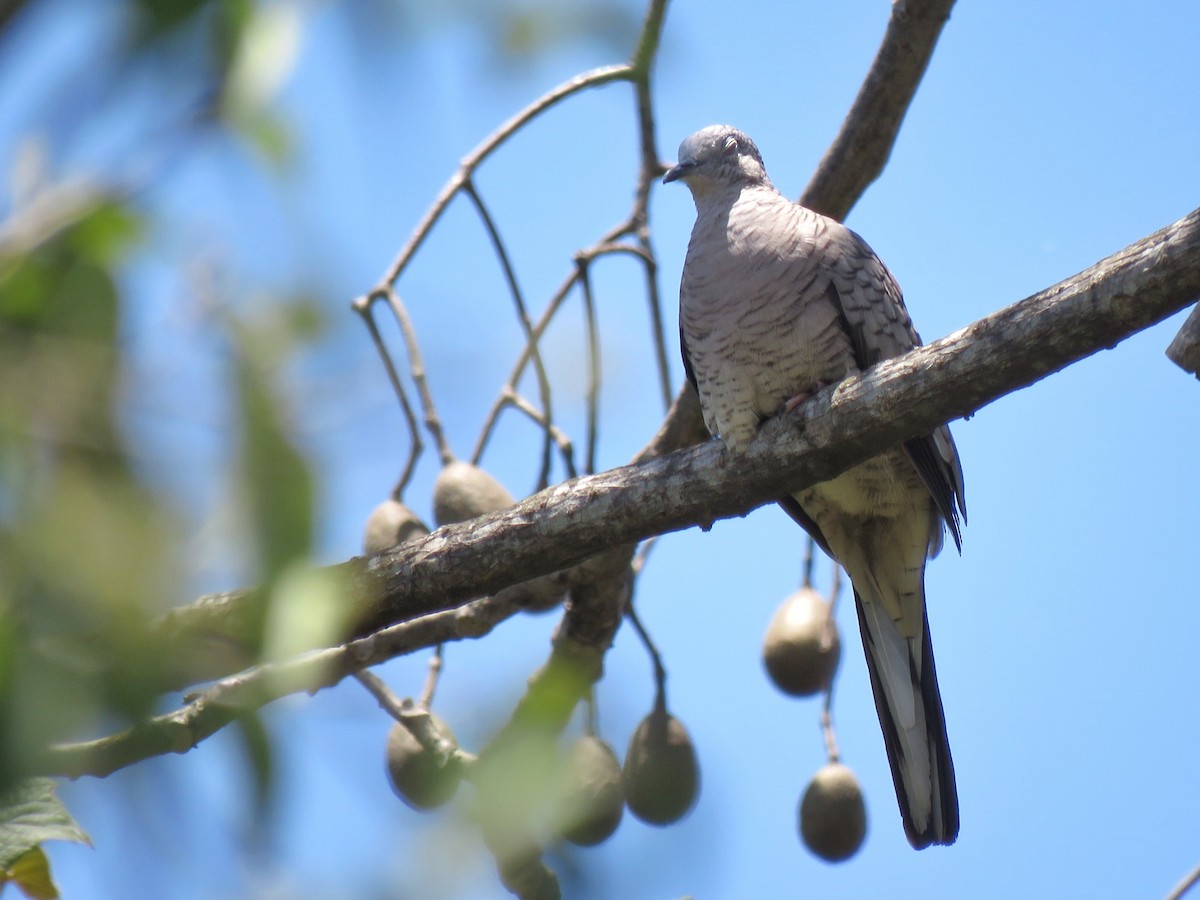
(30, 815)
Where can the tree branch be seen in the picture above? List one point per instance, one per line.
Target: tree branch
(224, 701)
(1184, 349)
(842, 426)
(567, 523)
(861, 150)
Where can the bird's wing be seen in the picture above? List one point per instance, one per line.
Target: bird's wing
(877, 321)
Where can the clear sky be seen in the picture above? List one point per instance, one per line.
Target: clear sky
(1045, 137)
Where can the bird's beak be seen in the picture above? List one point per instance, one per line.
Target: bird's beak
(677, 171)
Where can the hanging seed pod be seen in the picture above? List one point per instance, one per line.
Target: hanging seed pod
(590, 802)
(801, 647)
(416, 773)
(463, 491)
(661, 777)
(391, 523)
(833, 816)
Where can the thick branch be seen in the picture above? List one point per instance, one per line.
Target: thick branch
(952, 377)
(897, 399)
(570, 522)
(862, 147)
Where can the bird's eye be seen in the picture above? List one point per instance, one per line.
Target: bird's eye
(731, 146)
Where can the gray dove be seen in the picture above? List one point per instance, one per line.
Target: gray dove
(776, 302)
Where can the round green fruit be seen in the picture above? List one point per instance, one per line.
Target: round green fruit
(661, 777)
(801, 647)
(414, 771)
(833, 816)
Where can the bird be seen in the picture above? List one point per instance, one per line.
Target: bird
(777, 301)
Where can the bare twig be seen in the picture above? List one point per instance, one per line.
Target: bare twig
(416, 445)
(420, 724)
(227, 699)
(832, 752)
(510, 276)
(660, 671)
(509, 397)
(472, 161)
(432, 674)
(377, 688)
(810, 547)
(416, 369)
(1189, 882)
(594, 373)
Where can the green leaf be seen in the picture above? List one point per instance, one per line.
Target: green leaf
(277, 484)
(31, 813)
(270, 136)
(31, 874)
(106, 233)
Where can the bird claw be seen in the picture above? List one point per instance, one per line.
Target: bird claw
(804, 395)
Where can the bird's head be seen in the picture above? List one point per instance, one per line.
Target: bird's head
(715, 157)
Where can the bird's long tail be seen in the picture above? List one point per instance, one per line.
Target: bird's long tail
(909, 704)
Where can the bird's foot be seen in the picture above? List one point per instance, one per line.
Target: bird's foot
(804, 395)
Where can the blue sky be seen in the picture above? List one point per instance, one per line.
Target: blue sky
(1044, 137)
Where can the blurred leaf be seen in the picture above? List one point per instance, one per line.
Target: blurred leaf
(24, 285)
(308, 608)
(228, 26)
(532, 28)
(262, 61)
(86, 550)
(260, 759)
(104, 234)
(31, 874)
(30, 814)
(156, 19)
(277, 487)
(265, 57)
(270, 136)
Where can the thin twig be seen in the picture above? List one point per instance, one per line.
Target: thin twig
(377, 688)
(832, 752)
(420, 724)
(594, 78)
(225, 700)
(660, 671)
(416, 368)
(514, 289)
(1189, 882)
(594, 372)
(432, 675)
(509, 397)
(649, 171)
(416, 445)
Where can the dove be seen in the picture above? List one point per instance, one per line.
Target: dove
(777, 301)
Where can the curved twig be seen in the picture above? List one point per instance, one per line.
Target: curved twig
(416, 368)
(416, 445)
(514, 289)
(594, 78)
